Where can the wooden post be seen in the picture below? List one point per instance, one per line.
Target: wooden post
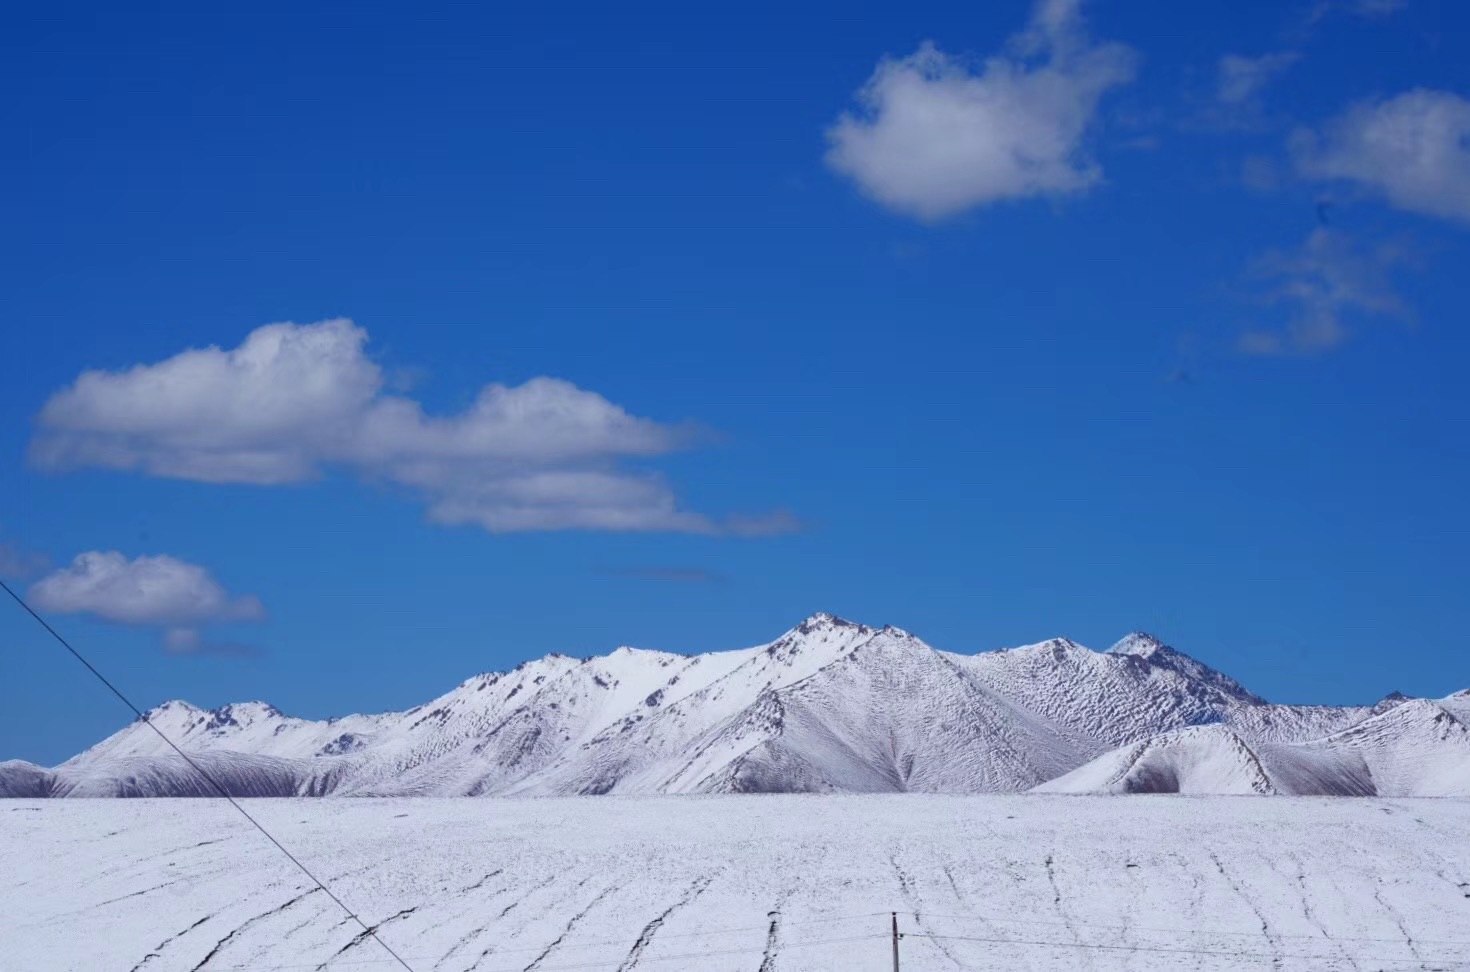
(895, 941)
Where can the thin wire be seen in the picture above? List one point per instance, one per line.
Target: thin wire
(1203, 932)
(367, 929)
(603, 944)
(1181, 951)
(598, 964)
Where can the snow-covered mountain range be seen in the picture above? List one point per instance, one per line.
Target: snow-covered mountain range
(830, 706)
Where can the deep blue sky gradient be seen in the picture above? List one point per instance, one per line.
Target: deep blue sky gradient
(972, 419)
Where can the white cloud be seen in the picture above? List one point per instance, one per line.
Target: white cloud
(294, 401)
(1413, 149)
(1241, 79)
(932, 137)
(1324, 285)
(158, 592)
(189, 641)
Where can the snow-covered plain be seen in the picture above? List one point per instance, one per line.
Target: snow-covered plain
(749, 883)
(828, 707)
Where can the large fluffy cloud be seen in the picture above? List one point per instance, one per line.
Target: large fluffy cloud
(156, 592)
(1413, 149)
(1322, 287)
(933, 137)
(294, 401)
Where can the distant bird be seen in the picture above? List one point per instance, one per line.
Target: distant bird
(1323, 205)
(1180, 377)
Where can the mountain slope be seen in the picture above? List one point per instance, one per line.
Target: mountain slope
(1417, 748)
(830, 706)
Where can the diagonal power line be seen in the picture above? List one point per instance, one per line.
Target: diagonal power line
(367, 929)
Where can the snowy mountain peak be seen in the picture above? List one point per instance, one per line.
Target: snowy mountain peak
(173, 707)
(1139, 643)
(628, 651)
(1390, 701)
(822, 621)
(181, 716)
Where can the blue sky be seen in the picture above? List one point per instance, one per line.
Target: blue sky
(1193, 364)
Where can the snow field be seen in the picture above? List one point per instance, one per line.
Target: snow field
(752, 883)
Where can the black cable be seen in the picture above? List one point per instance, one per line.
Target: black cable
(1202, 932)
(1222, 953)
(368, 930)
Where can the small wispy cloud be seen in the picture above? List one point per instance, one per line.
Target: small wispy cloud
(1323, 288)
(1238, 102)
(190, 641)
(1241, 80)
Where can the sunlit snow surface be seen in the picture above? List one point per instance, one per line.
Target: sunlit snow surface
(746, 883)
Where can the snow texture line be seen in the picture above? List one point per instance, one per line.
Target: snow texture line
(1251, 904)
(773, 942)
(1056, 890)
(490, 950)
(219, 946)
(651, 929)
(1398, 919)
(136, 894)
(158, 949)
(906, 884)
(571, 924)
(368, 931)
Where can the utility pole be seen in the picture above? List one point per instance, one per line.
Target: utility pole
(895, 941)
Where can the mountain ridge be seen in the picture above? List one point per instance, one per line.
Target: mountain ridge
(829, 706)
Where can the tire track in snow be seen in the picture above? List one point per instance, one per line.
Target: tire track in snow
(481, 883)
(1398, 919)
(329, 909)
(507, 910)
(1271, 940)
(365, 934)
(906, 884)
(314, 919)
(134, 894)
(158, 949)
(219, 946)
(961, 899)
(651, 929)
(773, 934)
(1310, 914)
(1196, 885)
(571, 924)
(173, 851)
(1125, 927)
(476, 932)
(1017, 873)
(1085, 958)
